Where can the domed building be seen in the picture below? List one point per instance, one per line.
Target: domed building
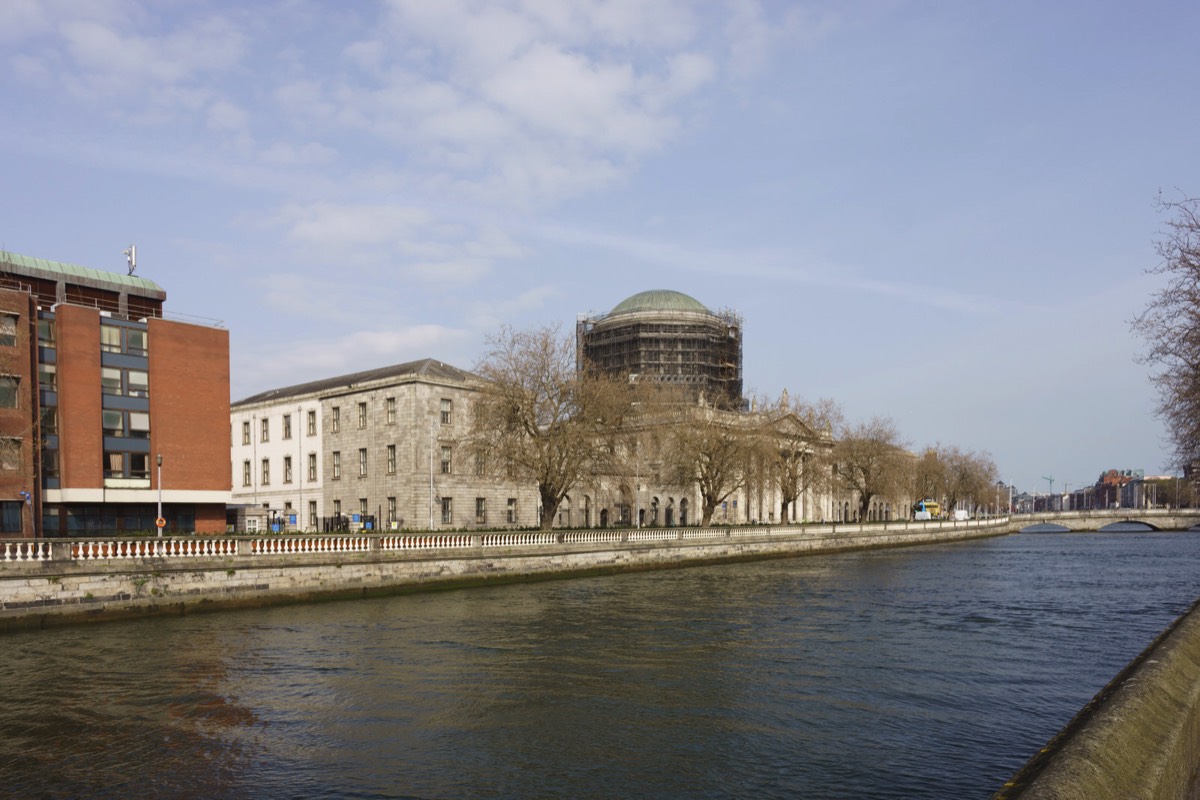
(667, 337)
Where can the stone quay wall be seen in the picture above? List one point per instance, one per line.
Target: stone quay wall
(1139, 737)
(69, 581)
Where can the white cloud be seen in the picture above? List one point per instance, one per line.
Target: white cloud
(327, 226)
(226, 117)
(113, 63)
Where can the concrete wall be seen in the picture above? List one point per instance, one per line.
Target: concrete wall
(1138, 738)
(64, 587)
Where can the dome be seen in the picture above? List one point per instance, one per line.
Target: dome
(659, 300)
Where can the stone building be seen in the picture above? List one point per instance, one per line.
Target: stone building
(384, 448)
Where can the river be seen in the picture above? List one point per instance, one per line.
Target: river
(928, 672)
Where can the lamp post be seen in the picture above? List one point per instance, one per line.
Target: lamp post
(159, 460)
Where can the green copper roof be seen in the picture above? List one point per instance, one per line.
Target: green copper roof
(26, 265)
(659, 300)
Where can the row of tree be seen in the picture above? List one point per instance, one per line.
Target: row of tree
(541, 419)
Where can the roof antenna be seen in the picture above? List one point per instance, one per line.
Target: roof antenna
(131, 257)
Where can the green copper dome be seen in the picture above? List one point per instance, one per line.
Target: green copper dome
(659, 300)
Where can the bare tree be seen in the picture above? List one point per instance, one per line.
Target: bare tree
(1170, 325)
(540, 418)
(929, 475)
(799, 447)
(952, 476)
(872, 462)
(712, 449)
(970, 476)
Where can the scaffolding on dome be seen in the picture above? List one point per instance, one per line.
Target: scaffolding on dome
(701, 352)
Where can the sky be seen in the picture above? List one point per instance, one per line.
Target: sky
(942, 212)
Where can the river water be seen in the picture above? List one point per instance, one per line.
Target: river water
(925, 672)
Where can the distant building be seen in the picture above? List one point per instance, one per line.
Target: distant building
(667, 338)
(384, 449)
(96, 387)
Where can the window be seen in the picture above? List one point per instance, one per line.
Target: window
(246, 472)
(287, 426)
(362, 462)
(110, 338)
(312, 423)
(266, 430)
(9, 391)
(391, 459)
(445, 460)
(114, 465)
(112, 422)
(335, 421)
(511, 513)
(48, 376)
(45, 333)
(312, 514)
(135, 341)
(337, 465)
(447, 510)
(480, 464)
(391, 510)
(10, 516)
(391, 410)
(10, 453)
(110, 380)
(446, 409)
(287, 469)
(49, 420)
(312, 466)
(139, 465)
(480, 510)
(139, 425)
(246, 432)
(362, 415)
(266, 472)
(362, 506)
(138, 381)
(8, 329)
(49, 463)
(119, 339)
(337, 508)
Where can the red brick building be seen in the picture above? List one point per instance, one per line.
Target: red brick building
(96, 387)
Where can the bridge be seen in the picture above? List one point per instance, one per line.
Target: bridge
(1159, 519)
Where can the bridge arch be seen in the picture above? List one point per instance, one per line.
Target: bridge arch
(1147, 519)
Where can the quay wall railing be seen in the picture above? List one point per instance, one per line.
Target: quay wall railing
(69, 580)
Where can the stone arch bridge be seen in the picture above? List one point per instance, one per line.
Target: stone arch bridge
(1159, 519)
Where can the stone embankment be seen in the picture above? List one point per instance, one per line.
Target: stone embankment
(64, 581)
(1138, 738)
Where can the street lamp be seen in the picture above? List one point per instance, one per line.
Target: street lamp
(159, 460)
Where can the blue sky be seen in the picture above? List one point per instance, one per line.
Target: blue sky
(940, 212)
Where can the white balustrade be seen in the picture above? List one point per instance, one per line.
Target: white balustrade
(590, 537)
(26, 551)
(287, 545)
(517, 538)
(653, 535)
(202, 546)
(424, 542)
